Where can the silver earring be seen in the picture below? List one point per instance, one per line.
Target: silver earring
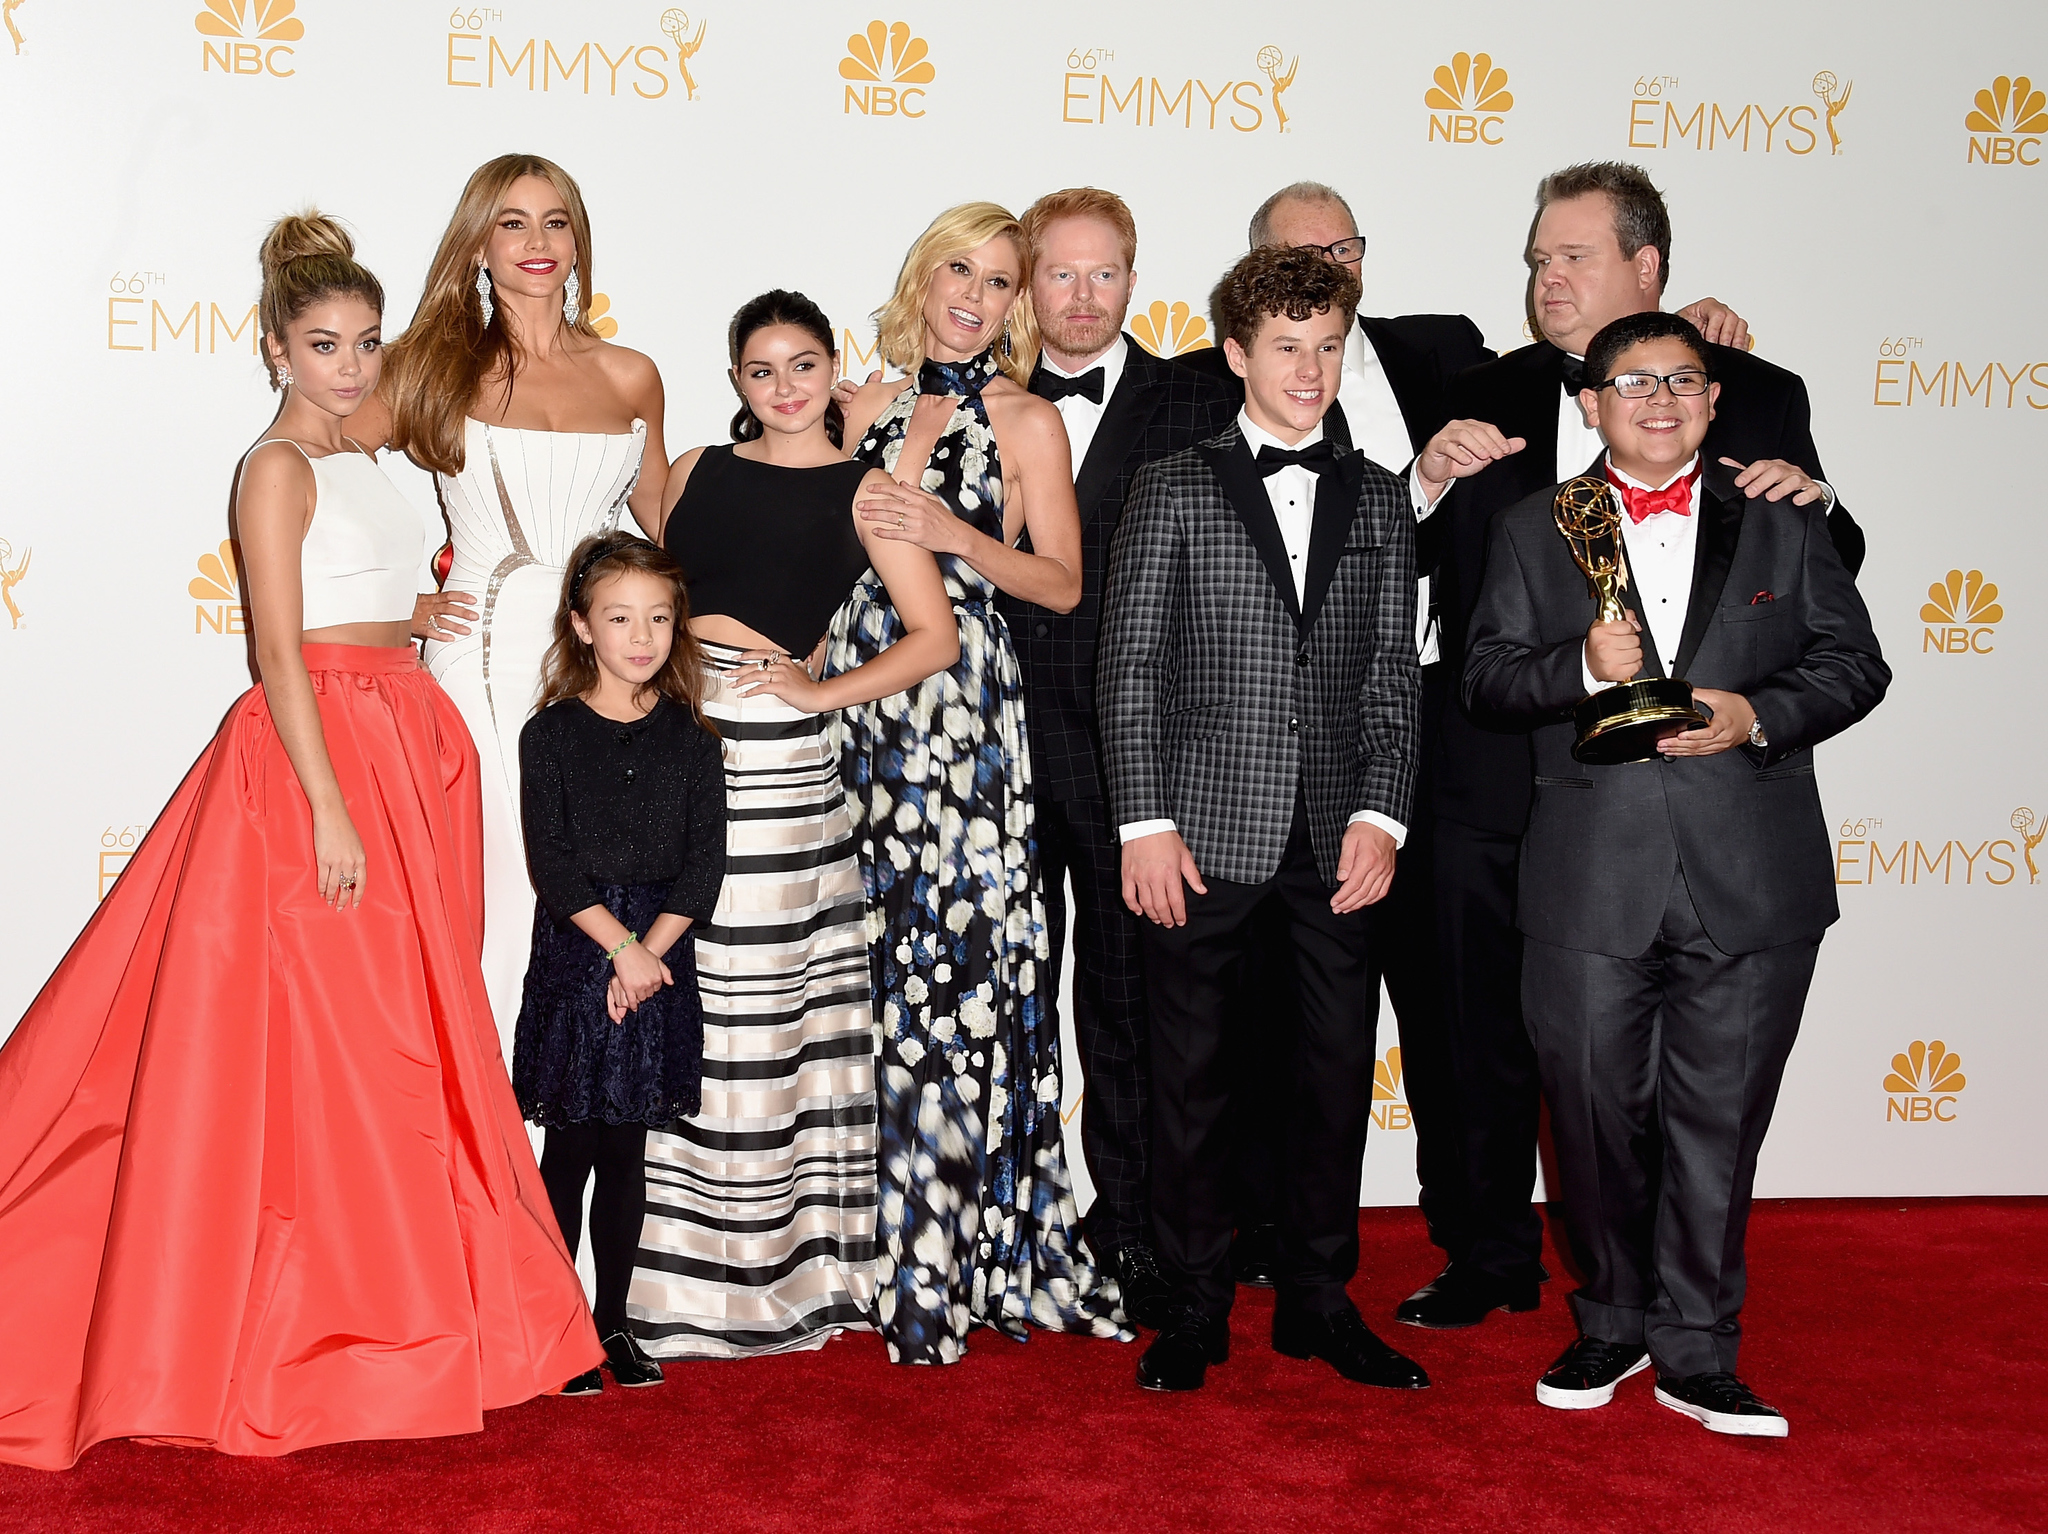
(483, 293)
(572, 298)
(1006, 338)
(284, 377)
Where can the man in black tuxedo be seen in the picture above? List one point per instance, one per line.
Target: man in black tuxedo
(1673, 907)
(1259, 702)
(1600, 249)
(1123, 408)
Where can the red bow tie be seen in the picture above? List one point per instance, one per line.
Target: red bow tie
(1640, 503)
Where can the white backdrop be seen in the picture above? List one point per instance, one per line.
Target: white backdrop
(150, 142)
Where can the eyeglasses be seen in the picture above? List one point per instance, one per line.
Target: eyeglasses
(1684, 383)
(1352, 249)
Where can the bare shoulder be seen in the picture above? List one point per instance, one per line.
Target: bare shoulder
(1019, 410)
(276, 463)
(870, 397)
(632, 373)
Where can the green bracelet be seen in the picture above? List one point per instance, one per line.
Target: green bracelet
(631, 939)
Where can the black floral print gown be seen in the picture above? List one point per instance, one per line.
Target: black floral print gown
(977, 1220)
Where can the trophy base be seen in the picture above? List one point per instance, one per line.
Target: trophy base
(1624, 723)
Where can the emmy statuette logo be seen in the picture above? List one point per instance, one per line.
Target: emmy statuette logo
(217, 588)
(2030, 828)
(1389, 1102)
(253, 37)
(1923, 1084)
(12, 573)
(1960, 611)
(1170, 330)
(1469, 101)
(7, 10)
(1834, 95)
(676, 24)
(2006, 124)
(887, 67)
(1092, 96)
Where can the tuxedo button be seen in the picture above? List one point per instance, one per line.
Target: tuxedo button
(1294, 727)
(1040, 630)
(1301, 656)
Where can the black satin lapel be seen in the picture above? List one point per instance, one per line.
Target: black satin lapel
(1247, 493)
(1336, 425)
(1124, 420)
(1720, 528)
(1336, 505)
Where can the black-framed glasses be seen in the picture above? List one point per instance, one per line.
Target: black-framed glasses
(1683, 384)
(1352, 249)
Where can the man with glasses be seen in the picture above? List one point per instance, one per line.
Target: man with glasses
(1600, 250)
(1672, 908)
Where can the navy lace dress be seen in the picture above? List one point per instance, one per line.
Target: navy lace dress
(977, 1221)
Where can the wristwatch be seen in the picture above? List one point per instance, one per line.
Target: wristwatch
(1756, 734)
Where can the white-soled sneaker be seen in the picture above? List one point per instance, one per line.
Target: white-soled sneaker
(1721, 1403)
(1586, 1373)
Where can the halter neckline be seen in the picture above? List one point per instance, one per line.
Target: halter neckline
(966, 379)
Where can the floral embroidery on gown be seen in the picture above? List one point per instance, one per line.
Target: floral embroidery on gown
(977, 1221)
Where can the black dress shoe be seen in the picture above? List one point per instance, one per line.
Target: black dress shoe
(1721, 1403)
(629, 1365)
(1343, 1340)
(1586, 1373)
(1461, 1296)
(1188, 1342)
(1138, 1280)
(590, 1384)
(1255, 1255)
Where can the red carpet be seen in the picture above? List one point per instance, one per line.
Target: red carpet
(1904, 1340)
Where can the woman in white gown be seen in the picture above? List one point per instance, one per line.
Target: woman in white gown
(534, 428)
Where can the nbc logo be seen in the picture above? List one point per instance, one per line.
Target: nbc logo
(253, 33)
(1389, 1105)
(887, 65)
(2007, 123)
(1168, 331)
(1962, 610)
(218, 590)
(600, 312)
(1468, 103)
(1922, 1084)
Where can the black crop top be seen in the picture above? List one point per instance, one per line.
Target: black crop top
(770, 546)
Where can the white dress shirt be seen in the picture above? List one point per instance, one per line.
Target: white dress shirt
(1577, 443)
(1082, 414)
(1292, 490)
(1660, 554)
(1380, 431)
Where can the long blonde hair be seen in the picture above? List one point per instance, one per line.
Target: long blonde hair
(305, 257)
(434, 372)
(899, 323)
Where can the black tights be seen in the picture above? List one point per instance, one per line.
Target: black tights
(618, 1154)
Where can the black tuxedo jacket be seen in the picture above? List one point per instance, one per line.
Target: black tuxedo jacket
(1481, 774)
(1223, 695)
(1159, 408)
(1774, 615)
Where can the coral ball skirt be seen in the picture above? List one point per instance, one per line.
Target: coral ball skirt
(263, 1183)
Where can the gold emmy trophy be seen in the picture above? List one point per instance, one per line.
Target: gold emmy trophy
(1622, 723)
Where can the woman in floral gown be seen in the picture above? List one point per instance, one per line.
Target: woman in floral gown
(977, 1219)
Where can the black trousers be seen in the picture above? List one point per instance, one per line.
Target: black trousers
(1076, 840)
(1662, 1072)
(1191, 976)
(1494, 1087)
(617, 1153)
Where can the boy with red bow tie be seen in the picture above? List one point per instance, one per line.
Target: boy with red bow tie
(1671, 909)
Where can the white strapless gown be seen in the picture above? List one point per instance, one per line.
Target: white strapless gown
(523, 501)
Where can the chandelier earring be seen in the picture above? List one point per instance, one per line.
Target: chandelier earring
(284, 377)
(483, 293)
(572, 298)
(1006, 338)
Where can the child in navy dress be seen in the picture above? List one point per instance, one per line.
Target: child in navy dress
(623, 801)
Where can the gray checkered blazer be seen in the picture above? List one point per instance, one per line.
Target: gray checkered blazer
(1218, 695)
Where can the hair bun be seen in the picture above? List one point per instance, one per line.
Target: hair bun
(299, 236)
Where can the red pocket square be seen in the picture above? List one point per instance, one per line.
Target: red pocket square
(1762, 596)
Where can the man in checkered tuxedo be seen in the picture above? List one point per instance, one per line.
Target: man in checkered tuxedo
(1259, 699)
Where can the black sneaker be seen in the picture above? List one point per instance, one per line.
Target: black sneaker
(1586, 1373)
(1721, 1403)
(629, 1365)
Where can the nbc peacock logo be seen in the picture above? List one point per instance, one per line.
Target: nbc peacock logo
(1961, 611)
(1469, 102)
(1923, 1084)
(600, 313)
(1389, 1101)
(887, 67)
(217, 589)
(2006, 123)
(1170, 330)
(254, 37)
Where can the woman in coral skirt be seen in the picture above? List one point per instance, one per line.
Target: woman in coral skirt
(263, 1183)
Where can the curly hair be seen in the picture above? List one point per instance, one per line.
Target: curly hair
(1279, 279)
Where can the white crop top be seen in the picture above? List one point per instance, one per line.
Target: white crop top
(361, 560)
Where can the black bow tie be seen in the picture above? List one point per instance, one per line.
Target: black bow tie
(1315, 458)
(1057, 386)
(1572, 371)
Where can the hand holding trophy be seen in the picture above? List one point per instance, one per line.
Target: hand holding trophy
(1622, 723)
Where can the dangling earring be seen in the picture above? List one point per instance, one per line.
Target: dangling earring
(572, 295)
(483, 293)
(284, 377)
(1006, 338)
